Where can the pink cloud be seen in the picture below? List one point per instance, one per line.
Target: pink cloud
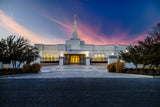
(12, 26)
(92, 35)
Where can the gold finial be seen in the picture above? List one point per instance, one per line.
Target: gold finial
(75, 17)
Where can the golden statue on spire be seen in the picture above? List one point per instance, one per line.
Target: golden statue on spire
(75, 17)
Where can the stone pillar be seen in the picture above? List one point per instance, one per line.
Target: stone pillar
(87, 61)
(112, 59)
(60, 61)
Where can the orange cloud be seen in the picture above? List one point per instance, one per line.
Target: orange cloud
(12, 26)
(92, 35)
(87, 33)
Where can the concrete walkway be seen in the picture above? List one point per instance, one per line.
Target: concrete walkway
(73, 71)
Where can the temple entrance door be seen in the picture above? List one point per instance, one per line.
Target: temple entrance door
(74, 59)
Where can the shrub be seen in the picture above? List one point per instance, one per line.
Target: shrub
(111, 67)
(36, 67)
(150, 72)
(116, 66)
(135, 72)
(119, 66)
(27, 68)
(32, 68)
(130, 70)
(125, 70)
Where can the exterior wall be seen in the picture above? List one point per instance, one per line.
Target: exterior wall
(120, 48)
(61, 47)
(86, 47)
(75, 46)
(111, 60)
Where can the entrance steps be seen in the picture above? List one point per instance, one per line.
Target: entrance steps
(73, 68)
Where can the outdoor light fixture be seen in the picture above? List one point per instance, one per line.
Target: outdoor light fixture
(61, 55)
(126, 50)
(87, 55)
(112, 54)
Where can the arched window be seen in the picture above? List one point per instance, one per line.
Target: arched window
(49, 57)
(95, 57)
(102, 57)
(53, 57)
(99, 57)
(46, 57)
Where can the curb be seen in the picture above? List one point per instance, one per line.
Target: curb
(156, 77)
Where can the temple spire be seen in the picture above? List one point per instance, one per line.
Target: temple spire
(75, 17)
(75, 35)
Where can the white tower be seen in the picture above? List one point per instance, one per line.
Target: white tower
(75, 42)
(75, 35)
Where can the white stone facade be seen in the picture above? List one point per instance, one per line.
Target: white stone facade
(75, 46)
(93, 50)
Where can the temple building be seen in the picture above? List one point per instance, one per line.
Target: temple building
(75, 51)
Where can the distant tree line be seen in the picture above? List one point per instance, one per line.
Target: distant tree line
(147, 52)
(17, 49)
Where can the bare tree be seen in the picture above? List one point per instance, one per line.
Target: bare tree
(17, 49)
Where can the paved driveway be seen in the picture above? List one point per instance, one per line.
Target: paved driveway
(80, 92)
(80, 86)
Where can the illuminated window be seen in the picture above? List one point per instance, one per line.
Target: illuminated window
(71, 59)
(46, 57)
(102, 57)
(99, 57)
(53, 57)
(49, 57)
(95, 57)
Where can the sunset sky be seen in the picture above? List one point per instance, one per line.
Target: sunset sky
(99, 22)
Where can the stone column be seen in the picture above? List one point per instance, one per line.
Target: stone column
(87, 61)
(60, 61)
